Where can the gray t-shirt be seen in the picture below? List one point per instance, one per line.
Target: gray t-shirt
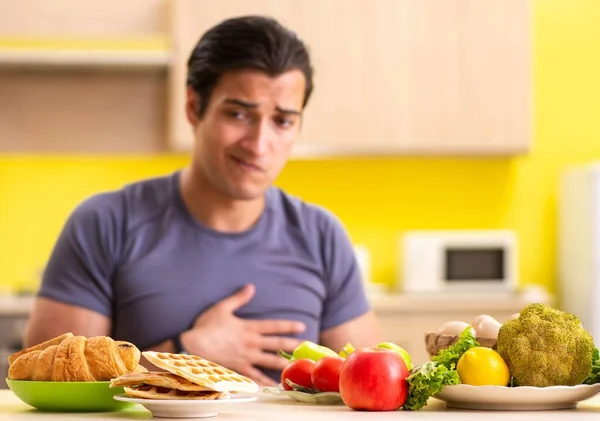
(137, 256)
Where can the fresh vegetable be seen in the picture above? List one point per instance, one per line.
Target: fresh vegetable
(594, 376)
(297, 375)
(346, 350)
(309, 350)
(449, 356)
(427, 379)
(326, 374)
(374, 379)
(545, 346)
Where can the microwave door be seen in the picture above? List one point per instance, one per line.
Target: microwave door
(475, 268)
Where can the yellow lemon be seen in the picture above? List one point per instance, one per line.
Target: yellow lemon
(481, 366)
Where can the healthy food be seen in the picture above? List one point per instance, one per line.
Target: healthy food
(398, 350)
(594, 376)
(429, 378)
(325, 374)
(483, 326)
(454, 327)
(374, 379)
(540, 346)
(297, 375)
(309, 350)
(481, 366)
(545, 346)
(486, 326)
(346, 350)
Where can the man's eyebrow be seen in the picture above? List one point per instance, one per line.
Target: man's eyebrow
(247, 104)
(288, 111)
(241, 103)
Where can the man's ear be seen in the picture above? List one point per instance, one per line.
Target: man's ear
(192, 106)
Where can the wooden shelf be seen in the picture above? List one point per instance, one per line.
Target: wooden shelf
(312, 151)
(125, 53)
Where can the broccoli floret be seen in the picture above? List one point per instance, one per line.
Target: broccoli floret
(594, 376)
(546, 347)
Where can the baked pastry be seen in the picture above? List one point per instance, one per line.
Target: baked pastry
(40, 347)
(158, 379)
(187, 377)
(163, 385)
(70, 358)
(202, 372)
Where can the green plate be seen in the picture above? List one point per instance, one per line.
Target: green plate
(68, 396)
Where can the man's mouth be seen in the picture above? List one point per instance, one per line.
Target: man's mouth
(248, 166)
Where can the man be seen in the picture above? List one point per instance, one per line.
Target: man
(213, 259)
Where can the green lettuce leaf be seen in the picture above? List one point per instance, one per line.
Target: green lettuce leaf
(449, 357)
(430, 378)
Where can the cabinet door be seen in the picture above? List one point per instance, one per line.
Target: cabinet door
(480, 71)
(337, 38)
(391, 76)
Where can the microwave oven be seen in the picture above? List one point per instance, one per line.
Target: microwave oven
(458, 261)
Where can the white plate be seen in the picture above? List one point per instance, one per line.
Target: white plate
(523, 398)
(325, 398)
(182, 408)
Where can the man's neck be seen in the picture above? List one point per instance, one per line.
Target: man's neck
(213, 209)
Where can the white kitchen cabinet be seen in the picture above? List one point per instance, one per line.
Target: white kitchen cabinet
(393, 77)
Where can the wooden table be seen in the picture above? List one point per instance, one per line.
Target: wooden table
(278, 408)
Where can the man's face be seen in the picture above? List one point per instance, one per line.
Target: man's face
(246, 135)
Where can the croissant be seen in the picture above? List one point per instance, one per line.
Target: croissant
(70, 358)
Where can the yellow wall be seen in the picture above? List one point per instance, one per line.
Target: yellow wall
(377, 199)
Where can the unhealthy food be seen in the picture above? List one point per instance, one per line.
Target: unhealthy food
(69, 358)
(162, 385)
(186, 377)
(40, 347)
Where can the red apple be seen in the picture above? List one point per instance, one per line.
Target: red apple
(374, 379)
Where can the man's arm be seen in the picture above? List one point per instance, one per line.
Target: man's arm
(362, 331)
(76, 290)
(347, 315)
(51, 318)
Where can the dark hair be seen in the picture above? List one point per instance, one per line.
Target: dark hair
(246, 42)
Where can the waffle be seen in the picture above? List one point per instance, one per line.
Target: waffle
(202, 372)
(156, 392)
(156, 378)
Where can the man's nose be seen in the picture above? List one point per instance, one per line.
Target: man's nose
(260, 139)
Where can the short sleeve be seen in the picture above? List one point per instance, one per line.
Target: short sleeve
(346, 298)
(80, 268)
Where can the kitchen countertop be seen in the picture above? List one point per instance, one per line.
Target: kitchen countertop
(21, 306)
(283, 408)
(16, 305)
(431, 303)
